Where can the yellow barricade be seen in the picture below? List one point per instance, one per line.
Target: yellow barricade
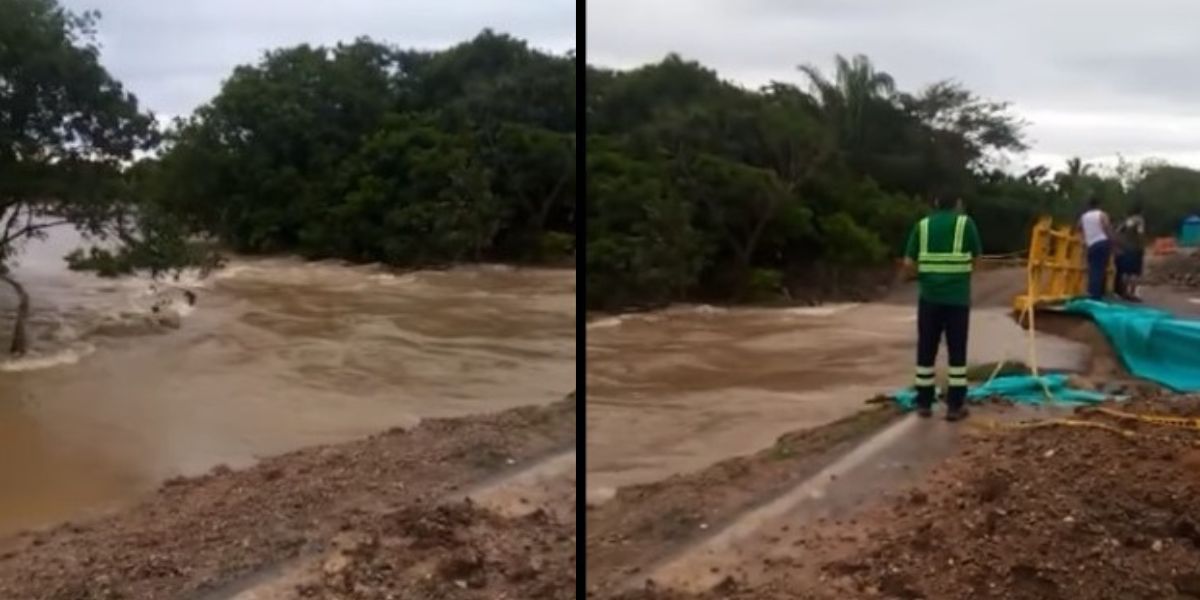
(1057, 266)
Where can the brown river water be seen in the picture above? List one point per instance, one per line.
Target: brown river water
(676, 390)
(275, 354)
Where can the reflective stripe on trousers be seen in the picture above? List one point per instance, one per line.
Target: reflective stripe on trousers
(935, 321)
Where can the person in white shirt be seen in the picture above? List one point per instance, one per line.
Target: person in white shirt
(1098, 237)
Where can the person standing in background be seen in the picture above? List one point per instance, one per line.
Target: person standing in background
(1131, 238)
(1098, 238)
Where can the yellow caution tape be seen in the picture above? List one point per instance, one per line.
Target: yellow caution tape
(1180, 422)
(1055, 423)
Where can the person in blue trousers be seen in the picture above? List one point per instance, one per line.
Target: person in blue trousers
(1098, 238)
(1130, 254)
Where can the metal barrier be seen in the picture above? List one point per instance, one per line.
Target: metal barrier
(1057, 266)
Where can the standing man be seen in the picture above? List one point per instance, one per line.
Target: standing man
(1131, 254)
(1098, 237)
(943, 248)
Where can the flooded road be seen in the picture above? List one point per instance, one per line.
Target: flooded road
(276, 354)
(677, 390)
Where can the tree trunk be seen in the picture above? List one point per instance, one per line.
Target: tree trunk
(547, 204)
(20, 341)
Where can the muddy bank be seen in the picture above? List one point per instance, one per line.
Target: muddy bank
(1052, 512)
(377, 518)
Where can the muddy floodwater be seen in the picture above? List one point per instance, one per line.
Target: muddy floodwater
(677, 390)
(129, 383)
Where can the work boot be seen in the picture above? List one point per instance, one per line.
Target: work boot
(957, 414)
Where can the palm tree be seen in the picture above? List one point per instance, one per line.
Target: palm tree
(856, 85)
(1071, 183)
(1076, 167)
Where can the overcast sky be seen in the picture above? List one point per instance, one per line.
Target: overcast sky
(1094, 77)
(174, 53)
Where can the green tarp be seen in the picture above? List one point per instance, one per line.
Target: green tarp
(1023, 389)
(1153, 344)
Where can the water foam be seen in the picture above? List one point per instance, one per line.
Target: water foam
(44, 360)
(607, 322)
(827, 310)
(61, 334)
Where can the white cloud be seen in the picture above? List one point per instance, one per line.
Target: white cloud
(173, 54)
(1095, 77)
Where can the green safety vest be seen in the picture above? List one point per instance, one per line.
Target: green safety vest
(954, 262)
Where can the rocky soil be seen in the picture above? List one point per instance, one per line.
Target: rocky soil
(452, 552)
(1180, 270)
(1058, 512)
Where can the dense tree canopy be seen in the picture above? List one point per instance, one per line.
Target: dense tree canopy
(701, 189)
(370, 153)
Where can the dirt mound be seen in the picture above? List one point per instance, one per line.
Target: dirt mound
(1050, 512)
(1180, 270)
(453, 552)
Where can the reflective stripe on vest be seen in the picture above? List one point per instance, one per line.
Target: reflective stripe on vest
(955, 261)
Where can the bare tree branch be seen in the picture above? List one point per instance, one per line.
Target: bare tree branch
(30, 229)
(12, 219)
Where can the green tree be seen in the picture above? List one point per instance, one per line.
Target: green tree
(856, 93)
(621, 103)
(849, 244)
(495, 78)
(260, 156)
(748, 206)
(767, 186)
(642, 247)
(535, 169)
(366, 152)
(1168, 194)
(412, 195)
(66, 128)
(978, 126)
